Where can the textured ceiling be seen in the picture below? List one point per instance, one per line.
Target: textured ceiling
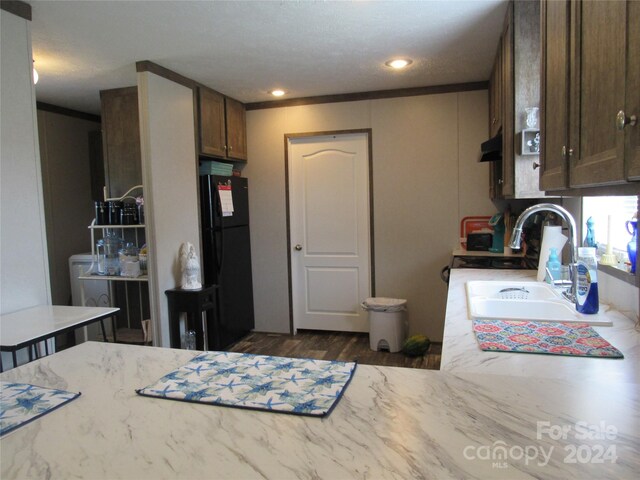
(246, 48)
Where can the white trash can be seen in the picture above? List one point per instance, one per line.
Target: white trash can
(387, 323)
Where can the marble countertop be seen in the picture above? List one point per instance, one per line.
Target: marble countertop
(391, 423)
(461, 353)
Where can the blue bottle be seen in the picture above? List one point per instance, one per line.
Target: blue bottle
(587, 291)
(554, 265)
(632, 228)
(590, 238)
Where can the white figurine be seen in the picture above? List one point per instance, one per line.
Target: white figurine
(190, 267)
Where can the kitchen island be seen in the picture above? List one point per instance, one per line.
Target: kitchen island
(390, 423)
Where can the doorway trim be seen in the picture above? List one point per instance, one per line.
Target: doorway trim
(372, 270)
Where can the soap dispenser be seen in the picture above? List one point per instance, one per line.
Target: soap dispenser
(554, 266)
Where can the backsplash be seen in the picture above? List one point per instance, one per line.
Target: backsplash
(619, 293)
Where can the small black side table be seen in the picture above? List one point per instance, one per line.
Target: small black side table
(193, 303)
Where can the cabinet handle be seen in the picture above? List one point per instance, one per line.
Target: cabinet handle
(564, 152)
(536, 165)
(225, 147)
(230, 148)
(622, 120)
(493, 122)
(500, 181)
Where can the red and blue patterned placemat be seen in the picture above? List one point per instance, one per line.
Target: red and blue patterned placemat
(552, 338)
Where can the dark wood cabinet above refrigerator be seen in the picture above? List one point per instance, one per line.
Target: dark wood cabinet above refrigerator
(221, 126)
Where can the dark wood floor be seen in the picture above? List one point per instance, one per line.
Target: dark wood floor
(333, 346)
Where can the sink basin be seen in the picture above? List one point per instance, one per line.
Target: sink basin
(534, 301)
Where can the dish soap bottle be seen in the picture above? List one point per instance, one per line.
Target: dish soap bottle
(554, 265)
(587, 290)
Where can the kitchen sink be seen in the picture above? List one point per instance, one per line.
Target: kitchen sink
(524, 301)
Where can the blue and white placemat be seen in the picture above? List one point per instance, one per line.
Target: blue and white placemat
(277, 384)
(21, 403)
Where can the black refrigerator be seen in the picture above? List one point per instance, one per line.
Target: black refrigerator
(226, 262)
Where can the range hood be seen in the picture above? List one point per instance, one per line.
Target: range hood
(492, 149)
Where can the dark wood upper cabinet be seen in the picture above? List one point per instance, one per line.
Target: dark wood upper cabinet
(516, 80)
(121, 139)
(598, 66)
(221, 126)
(590, 73)
(212, 127)
(632, 103)
(554, 107)
(495, 94)
(508, 106)
(236, 130)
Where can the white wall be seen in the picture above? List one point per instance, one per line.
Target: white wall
(425, 178)
(170, 186)
(64, 155)
(24, 276)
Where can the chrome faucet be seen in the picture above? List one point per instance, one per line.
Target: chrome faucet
(573, 245)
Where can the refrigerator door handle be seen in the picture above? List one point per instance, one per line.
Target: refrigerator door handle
(216, 208)
(210, 212)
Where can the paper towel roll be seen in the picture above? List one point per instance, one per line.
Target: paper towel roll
(552, 237)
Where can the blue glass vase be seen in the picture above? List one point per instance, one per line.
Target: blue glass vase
(632, 228)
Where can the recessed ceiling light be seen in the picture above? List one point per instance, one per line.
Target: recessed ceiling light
(399, 63)
(278, 92)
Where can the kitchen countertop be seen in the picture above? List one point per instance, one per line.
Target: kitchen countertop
(390, 423)
(461, 353)
(461, 252)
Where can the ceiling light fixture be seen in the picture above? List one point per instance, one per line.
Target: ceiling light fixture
(278, 92)
(399, 63)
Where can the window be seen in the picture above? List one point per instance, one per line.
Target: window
(619, 209)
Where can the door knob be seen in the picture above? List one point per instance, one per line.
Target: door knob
(298, 247)
(622, 120)
(536, 165)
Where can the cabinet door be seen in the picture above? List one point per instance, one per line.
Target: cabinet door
(121, 139)
(554, 94)
(236, 130)
(632, 104)
(495, 94)
(508, 115)
(211, 123)
(598, 92)
(495, 180)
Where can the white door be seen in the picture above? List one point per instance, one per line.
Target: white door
(329, 231)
